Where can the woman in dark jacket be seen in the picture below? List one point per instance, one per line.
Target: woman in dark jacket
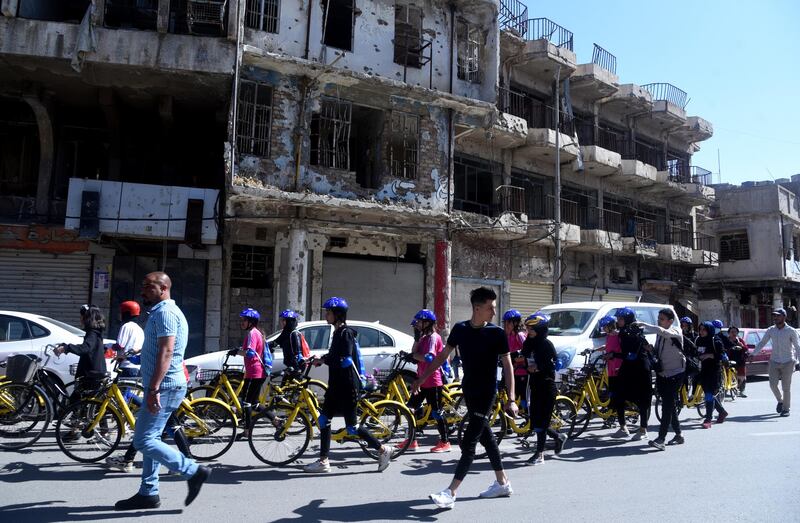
(710, 350)
(635, 374)
(541, 359)
(91, 363)
(289, 340)
(341, 398)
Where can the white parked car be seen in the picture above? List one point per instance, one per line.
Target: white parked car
(574, 326)
(25, 333)
(378, 344)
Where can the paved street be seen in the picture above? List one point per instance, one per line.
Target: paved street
(744, 470)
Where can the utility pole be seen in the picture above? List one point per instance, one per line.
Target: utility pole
(557, 198)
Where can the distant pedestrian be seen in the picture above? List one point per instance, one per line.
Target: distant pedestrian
(130, 339)
(166, 336)
(738, 353)
(710, 350)
(785, 353)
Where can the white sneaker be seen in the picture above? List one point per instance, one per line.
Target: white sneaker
(443, 499)
(622, 433)
(384, 458)
(496, 490)
(318, 467)
(119, 463)
(640, 435)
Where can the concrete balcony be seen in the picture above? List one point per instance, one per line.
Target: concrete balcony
(638, 247)
(674, 253)
(544, 230)
(599, 161)
(705, 253)
(668, 104)
(540, 145)
(695, 129)
(600, 241)
(636, 173)
(631, 99)
(597, 79)
(537, 47)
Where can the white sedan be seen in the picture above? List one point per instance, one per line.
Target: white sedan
(378, 344)
(26, 333)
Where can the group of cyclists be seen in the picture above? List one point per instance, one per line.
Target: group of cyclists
(529, 362)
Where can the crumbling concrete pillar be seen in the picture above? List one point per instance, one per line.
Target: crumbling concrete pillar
(234, 20)
(442, 293)
(162, 19)
(9, 7)
(99, 17)
(46, 151)
(777, 297)
(297, 269)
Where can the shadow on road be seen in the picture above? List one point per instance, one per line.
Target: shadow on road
(410, 510)
(52, 511)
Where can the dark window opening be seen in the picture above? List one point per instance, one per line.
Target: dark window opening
(408, 41)
(469, 41)
(365, 142)
(254, 120)
(338, 23)
(131, 14)
(330, 134)
(473, 185)
(404, 145)
(70, 11)
(538, 195)
(251, 267)
(734, 246)
(19, 150)
(263, 15)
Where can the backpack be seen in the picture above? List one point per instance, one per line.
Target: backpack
(305, 351)
(266, 358)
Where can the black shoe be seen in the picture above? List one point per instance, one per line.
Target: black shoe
(195, 482)
(561, 442)
(779, 408)
(138, 502)
(677, 440)
(785, 414)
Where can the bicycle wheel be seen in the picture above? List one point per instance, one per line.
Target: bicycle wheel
(498, 424)
(206, 391)
(86, 434)
(25, 414)
(582, 417)
(454, 411)
(282, 444)
(564, 415)
(210, 427)
(390, 423)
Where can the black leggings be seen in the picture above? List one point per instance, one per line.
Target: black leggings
(177, 436)
(432, 395)
(668, 389)
(250, 392)
(478, 430)
(350, 419)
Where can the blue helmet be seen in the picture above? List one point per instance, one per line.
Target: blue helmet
(717, 324)
(250, 314)
(288, 313)
(512, 314)
(687, 320)
(709, 327)
(627, 314)
(536, 319)
(607, 320)
(335, 303)
(425, 315)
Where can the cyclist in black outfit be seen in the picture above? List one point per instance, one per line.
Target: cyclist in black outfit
(91, 353)
(344, 382)
(480, 343)
(289, 340)
(710, 349)
(541, 356)
(635, 373)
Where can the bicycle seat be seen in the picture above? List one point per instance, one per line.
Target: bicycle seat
(732, 362)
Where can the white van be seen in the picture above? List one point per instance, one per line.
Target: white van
(574, 326)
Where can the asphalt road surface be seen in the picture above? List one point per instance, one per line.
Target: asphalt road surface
(747, 469)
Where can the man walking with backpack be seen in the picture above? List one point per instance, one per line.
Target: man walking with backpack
(481, 344)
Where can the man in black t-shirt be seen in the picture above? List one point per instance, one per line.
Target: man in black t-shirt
(480, 344)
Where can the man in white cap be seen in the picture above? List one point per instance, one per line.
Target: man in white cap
(785, 352)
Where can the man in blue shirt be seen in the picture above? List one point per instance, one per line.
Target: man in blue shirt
(165, 338)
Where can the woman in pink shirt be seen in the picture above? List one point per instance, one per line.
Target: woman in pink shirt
(613, 357)
(512, 323)
(425, 350)
(256, 365)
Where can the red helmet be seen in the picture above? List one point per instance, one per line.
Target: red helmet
(130, 307)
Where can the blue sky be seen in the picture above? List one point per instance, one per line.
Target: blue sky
(739, 62)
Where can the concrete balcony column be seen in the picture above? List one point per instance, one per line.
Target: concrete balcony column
(99, 17)
(9, 7)
(162, 20)
(41, 109)
(296, 270)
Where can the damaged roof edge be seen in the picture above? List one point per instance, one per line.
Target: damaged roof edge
(297, 66)
(321, 201)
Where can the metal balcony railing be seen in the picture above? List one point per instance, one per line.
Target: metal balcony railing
(644, 153)
(705, 242)
(513, 15)
(131, 14)
(544, 28)
(643, 229)
(538, 114)
(700, 176)
(678, 170)
(604, 59)
(680, 235)
(668, 92)
(510, 199)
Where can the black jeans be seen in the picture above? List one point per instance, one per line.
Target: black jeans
(478, 430)
(668, 390)
(432, 396)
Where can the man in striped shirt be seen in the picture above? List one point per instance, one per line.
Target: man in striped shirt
(165, 338)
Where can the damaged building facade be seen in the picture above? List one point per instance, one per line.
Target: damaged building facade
(397, 153)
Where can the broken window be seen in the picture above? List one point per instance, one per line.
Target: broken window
(468, 38)
(131, 14)
(408, 42)
(251, 267)
(404, 145)
(254, 118)
(19, 150)
(262, 15)
(330, 134)
(337, 24)
(734, 246)
(71, 11)
(365, 145)
(473, 185)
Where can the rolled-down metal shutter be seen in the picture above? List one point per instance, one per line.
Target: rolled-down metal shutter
(574, 294)
(53, 285)
(530, 297)
(621, 295)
